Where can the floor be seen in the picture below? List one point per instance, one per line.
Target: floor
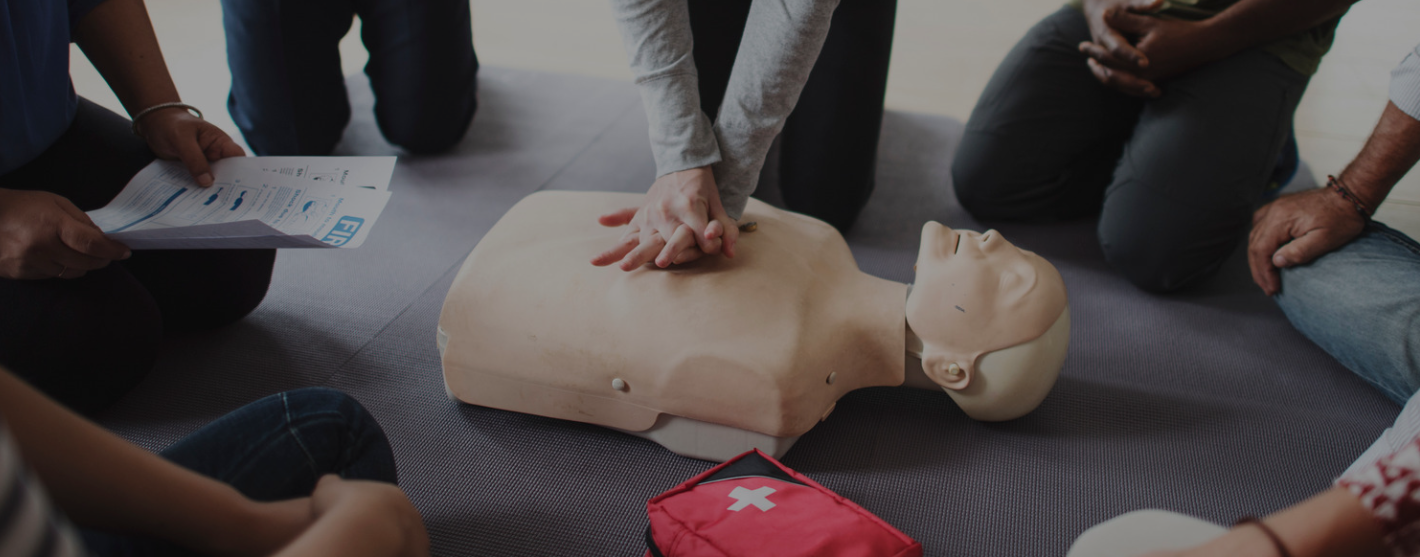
(944, 52)
(1207, 402)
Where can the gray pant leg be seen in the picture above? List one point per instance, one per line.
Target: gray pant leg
(1192, 173)
(1361, 303)
(1044, 138)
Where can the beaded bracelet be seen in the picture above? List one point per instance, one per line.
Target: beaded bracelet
(1335, 184)
(1276, 540)
(156, 107)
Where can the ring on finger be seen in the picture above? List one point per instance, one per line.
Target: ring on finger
(61, 272)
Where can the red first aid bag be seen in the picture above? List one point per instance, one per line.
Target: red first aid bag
(752, 506)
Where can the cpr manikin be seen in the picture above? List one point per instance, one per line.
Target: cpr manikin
(717, 356)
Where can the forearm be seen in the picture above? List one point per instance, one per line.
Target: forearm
(1390, 152)
(658, 41)
(1250, 23)
(780, 47)
(1332, 523)
(118, 39)
(106, 483)
(350, 531)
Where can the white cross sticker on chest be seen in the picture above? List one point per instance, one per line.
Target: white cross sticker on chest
(746, 497)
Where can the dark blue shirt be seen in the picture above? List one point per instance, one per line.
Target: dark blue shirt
(37, 100)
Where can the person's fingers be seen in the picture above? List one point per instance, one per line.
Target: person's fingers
(1146, 6)
(1122, 81)
(88, 240)
(723, 227)
(650, 245)
(1119, 47)
(1307, 247)
(618, 218)
(689, 255)
(191, 155)
(217, 144)
(681, 240)
(1266, 237)
(78, 262)
(623, 247)
(1126, 21)
(1100, 54)
(695, 222)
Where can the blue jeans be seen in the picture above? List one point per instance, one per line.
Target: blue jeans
(1361, 303)
(288, 92)
(273, 449)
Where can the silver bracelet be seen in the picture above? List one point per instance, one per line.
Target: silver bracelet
(144, 112)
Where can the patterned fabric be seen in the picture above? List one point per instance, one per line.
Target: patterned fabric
(1390, 489)
(28, 525)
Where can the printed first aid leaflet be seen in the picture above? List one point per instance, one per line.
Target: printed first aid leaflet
(254, 202)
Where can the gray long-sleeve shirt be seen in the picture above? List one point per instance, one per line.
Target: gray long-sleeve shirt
(781, 42)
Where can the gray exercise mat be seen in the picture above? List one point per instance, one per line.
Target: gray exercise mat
(1206, 403)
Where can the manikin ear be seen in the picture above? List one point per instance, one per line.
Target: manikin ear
(946, 372)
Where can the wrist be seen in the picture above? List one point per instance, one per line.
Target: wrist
(1362, 189)
(161, 110)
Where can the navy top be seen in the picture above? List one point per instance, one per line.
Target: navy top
(37, 100)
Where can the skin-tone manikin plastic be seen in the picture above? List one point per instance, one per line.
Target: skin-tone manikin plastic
(720, 355)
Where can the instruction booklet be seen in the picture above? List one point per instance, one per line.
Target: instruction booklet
(253, 203)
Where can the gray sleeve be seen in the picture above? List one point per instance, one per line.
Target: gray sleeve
(658, 42)
(1405, 84)
(781, 42)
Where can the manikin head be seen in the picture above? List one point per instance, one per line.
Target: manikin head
(992, 318)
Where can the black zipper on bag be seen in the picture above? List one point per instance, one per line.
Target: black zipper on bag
(651, 544)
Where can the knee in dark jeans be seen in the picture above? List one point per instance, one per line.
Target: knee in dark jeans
(428, 128)
(339, 434)
(1157, 262)
(973, 183)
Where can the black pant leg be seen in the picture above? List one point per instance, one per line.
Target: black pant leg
(1185, 189)
(717, 27)
(85, 341)
(288, 92)
(1045, 135)
(422, 69)
(829, 147)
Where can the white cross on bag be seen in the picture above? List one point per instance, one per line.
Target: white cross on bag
(758, 497)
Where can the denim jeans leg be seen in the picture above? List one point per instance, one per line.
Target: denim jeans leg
(1361, 303)
(272, 449)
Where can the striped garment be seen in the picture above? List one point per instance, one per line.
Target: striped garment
(29, 527)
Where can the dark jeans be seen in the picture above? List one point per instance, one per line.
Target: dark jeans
(288, 94)
(1174, 179)
(274, 449)
(87, 341)
(829, 147)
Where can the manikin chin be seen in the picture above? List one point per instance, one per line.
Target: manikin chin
(719, 356)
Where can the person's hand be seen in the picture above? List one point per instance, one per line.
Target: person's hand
(681, 220)
(43, 235)
(175, 134)
(378, 511)
(1132, 51)
(1296, 229)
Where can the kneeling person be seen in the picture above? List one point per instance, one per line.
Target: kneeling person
(80, 316)
(1168, 124)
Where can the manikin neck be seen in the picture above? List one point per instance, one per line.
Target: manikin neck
(913, 376)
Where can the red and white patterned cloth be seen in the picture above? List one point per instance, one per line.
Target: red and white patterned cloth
(1390, 489)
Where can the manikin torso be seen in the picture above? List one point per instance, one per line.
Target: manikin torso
(764, 343)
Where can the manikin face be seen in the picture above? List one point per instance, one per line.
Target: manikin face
(976, 293)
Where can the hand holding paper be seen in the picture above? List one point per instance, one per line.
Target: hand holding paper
(254, 202)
